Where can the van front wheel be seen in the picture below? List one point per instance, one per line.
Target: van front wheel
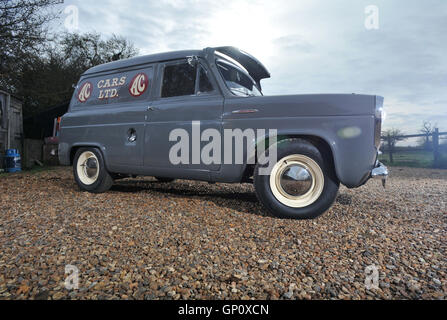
(302, 184)
(90, 172)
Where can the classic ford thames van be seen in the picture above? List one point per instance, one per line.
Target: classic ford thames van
(201, 114)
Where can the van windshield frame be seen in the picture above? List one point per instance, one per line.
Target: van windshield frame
(236, 86)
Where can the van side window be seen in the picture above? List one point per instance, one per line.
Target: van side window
(178, 80)
(204, 82)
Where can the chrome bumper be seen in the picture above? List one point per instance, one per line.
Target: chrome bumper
(380, 172)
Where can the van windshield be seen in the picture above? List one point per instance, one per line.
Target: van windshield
(239, 82)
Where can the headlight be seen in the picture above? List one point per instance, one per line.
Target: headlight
(379, 112)
(378, 117)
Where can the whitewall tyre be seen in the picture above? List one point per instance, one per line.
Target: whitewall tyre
(87, 168)
(296, 181)
(301, 185)
(90, 172)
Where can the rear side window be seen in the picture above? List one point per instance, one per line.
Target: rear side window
(109, 88)
(179, 80)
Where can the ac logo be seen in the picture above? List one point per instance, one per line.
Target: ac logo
(85, 92)
(138, 85)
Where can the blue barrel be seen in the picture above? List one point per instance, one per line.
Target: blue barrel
(13, 162)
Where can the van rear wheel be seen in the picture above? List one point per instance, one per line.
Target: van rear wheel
(302, 183)
(90, 172)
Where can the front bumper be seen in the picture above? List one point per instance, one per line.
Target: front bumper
(380, 171)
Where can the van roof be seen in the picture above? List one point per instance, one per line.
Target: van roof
(151, 58)
(254, 67)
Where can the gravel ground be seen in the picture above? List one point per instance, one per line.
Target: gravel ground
(193, 240)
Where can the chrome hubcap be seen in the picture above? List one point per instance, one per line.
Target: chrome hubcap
(87, 168)
(90, 167)
(295, 180)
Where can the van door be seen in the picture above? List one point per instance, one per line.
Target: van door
(187, 93)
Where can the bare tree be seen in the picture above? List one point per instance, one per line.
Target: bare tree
(48, 79)
(23, 30)
(427, 129)
(392, 137)
(41, 67)
(89, 49)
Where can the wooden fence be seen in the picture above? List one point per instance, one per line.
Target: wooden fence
(391, 140)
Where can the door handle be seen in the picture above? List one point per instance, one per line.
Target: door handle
(150, 108)
(132, 135)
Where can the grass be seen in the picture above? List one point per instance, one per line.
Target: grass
(416, 159)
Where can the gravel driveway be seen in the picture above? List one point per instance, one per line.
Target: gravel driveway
(194, 240)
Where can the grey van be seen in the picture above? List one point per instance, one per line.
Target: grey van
(127, 117)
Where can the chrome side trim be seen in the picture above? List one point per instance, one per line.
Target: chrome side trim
(242, 111)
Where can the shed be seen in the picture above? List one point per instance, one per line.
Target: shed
(38, 128)
(41, 125)
(11, 123)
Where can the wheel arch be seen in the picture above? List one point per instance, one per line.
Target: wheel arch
(319, 142)
(75, 147)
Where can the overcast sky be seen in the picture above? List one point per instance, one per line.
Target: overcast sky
(309, 46)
